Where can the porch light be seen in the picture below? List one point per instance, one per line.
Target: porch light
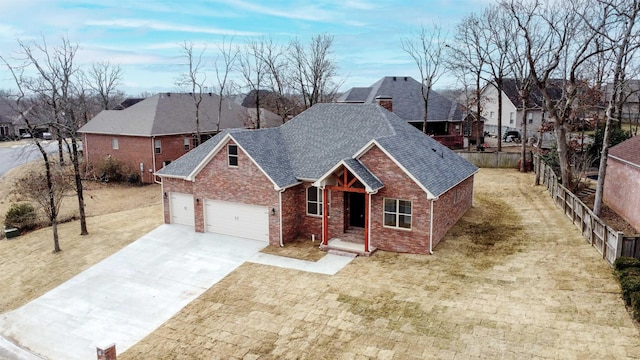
(165, 195)
(273, 211)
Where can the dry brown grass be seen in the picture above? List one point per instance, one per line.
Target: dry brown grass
(513, 280)
(301, 248)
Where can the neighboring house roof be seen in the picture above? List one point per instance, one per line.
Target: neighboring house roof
(511, 87)
(408, 104)
(628, 151)
(7, 113)
(631, 90)
(127, 103)
(314, 142)
(174, 113)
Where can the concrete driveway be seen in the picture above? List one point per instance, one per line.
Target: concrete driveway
(125, 297)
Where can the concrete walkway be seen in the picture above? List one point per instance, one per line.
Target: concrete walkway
(128, 295)
(330, 264)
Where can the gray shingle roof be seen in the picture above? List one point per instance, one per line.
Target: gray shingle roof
(172, 113)
(367, 178)
(407, 99)
(308, 146)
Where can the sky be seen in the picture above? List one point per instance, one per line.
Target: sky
(145, 37)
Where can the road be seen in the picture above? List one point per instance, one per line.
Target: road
(22, 152)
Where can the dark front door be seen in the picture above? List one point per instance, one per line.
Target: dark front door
(356, 209)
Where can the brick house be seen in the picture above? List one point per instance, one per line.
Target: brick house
(622, 183)
(151, 133)
(354, 176)
(446, 120)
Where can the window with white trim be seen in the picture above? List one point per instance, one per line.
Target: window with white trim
(491, 114)
(232, 155)
(397, 213)
(158, 145)
(187, 144)
(314, 201)
(114, 144)
(530, 116)
(511, 117)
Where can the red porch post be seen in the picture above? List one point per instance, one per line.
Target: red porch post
(366, 222)
(325, 218)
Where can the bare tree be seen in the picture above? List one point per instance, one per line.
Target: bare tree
(557, 44)
(193, 80)
(55, 101)
(314, 70)
(467, 58)
(498, 37)
(224, 65)
(104, 79)
(278, 76)
(25, 110)
(254, 72)
(623, 35)
(426, 49)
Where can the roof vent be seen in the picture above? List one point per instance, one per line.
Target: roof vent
(209, 94)
(405, 78)
(168, 94)
(394, 78)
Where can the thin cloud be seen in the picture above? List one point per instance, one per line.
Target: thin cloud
(299, 12)
(163, 26)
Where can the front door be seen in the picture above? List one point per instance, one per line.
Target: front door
(356, 209)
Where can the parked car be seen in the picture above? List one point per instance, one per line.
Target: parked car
(25, 135)
(511, 136)
(47, 136)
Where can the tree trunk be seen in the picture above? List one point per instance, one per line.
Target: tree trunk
(499, 83)
(426, 109)
(79, 191)
(563, 154)
(53, 213)
(523, 138)
(60, 152)
(602, 169)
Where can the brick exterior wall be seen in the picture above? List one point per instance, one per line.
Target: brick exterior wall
(622, 191)
(450, 207)
(397, 185)
(133, 150)
(247, 184)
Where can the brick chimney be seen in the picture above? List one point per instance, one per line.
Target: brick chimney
(385, 101)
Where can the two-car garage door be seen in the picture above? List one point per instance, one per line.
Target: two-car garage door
(241, 220)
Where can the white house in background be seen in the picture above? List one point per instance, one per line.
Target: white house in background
(512, 110)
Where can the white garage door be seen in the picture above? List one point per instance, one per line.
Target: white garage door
(181, 206)
(241, 220)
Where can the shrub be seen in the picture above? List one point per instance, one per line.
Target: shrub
(630, 284)
(21, 216)
(112, 169)
(133, 179)
(626, 272)
(635, 305)
(622, 263)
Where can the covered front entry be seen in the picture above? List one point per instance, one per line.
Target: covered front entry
(235, 219)
(354, 210)
(181, 209)
(353, 184)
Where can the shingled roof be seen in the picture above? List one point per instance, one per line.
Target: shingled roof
(407, 99)
(628, 150)
(310, 145)
(171, 114)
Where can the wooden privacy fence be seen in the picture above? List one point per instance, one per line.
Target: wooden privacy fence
(611, 244)
(492, 159)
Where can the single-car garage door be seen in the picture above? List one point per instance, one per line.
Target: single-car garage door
(241, 220)
(181, 207)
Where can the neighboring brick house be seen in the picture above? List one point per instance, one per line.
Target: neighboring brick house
(622, 183)
(354, 176)
(446, 120)
(151, 133)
